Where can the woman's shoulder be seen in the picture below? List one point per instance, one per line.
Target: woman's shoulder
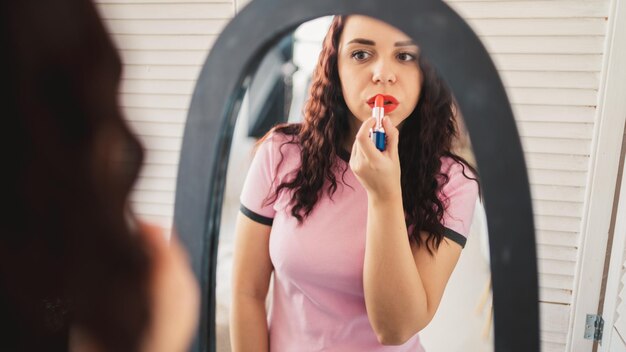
(279, 144)
(281, 135)
(453, 167)
(461, 178)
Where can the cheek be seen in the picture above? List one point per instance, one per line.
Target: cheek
(350, 91)
(346, 87)
(416, 87)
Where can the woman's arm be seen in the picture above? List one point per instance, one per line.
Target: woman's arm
(252, 269)
(403, 285)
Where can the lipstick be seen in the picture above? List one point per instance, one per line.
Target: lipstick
(377, 134)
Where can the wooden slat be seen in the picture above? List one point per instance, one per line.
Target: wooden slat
(548, 208)
(158, 26)
(164, 42)
(564, 282)
(167, 144)
(153, 197)
(544, 44)
(556, 267)
(557, 238)
(556, 252)
(554, 295)
(554, 177)
(142, 208)
(557, 193)
(554, 337)
(554, 113)
(539, 9)
(159, 157)
(557, 223)
(543, 79)
(155, 184)
(155, 115)
(155, 57)
(554, 317)
(556, 146)
(566, 130)
(167, 11)
(155, 101)
(552, 62)
(552, 347)
(159, 171)
(553, 96)
(173, 130)
(547, 161)
(142, 86)
(161, 72)
(539, 26)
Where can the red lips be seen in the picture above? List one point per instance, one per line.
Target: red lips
(391, 103)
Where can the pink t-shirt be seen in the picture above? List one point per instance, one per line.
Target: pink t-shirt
(318, 299)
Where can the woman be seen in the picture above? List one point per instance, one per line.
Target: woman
(361, 242)
(78, 271)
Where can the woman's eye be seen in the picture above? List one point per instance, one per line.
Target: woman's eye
(360, 55)
(406, 57)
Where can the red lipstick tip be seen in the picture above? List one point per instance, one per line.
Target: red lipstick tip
(380, 101)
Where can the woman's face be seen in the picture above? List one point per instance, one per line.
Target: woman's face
(376, 58)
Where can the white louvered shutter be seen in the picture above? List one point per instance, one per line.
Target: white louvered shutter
(549, 55)
(163, 44)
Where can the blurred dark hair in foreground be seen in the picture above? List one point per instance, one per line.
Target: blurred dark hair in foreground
(69, 254)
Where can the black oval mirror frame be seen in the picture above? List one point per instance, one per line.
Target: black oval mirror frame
(463, 62)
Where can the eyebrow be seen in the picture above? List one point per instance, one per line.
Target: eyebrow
(371, 42)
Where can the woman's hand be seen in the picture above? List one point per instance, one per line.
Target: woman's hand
(378, 172)
(174, 294)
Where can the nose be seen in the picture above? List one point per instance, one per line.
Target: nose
(383, 72)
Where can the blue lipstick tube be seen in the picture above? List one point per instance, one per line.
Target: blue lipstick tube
(378, 137)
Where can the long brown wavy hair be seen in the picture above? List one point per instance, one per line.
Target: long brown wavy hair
(426, 135)
(70, 256)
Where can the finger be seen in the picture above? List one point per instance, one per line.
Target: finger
(393, 135)
(363, 138)
(154, 235)
(365, 128)
(354, 154)
(155, 241)
(176, 245)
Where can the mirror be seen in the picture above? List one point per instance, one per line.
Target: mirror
(480, 98)
(278, 92)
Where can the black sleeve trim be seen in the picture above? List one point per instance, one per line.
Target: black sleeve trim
(455, 236)
(256, 217)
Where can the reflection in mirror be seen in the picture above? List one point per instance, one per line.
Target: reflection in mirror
(316, 255)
